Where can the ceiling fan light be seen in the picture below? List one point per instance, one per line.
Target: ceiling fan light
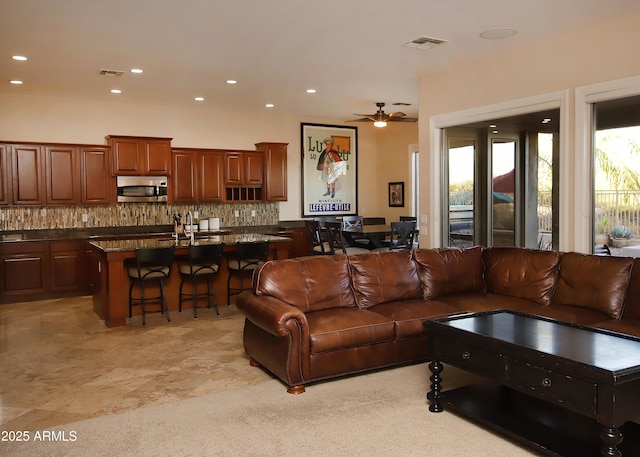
(380, 124)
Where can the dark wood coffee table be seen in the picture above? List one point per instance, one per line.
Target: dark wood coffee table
(563, 389)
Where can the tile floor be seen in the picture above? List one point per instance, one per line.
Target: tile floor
(60, 364)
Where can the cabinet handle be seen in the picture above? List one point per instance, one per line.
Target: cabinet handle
(546, 382)
(466, 355)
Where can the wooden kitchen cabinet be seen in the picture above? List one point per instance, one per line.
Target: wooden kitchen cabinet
(140, 156)
(28, 174)
(5, 175)
(210, 176)
(243, 177)
(67, 266)
(97, 184)
(275, 170)
(34, 270)
(197, 175)
(24, 270)
(62, 171)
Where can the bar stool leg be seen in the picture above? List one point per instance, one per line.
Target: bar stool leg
(144, 320)
(194, 292)
(163, 298)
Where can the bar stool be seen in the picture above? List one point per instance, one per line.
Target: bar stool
(152, 264)
(204, 262)
(248, 257)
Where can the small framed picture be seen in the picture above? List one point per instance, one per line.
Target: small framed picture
(396, 194)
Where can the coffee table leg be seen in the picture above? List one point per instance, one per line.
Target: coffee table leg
(610, 437)
(435, 393)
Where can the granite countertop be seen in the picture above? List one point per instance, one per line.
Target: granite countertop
(131, 244)
(112, 233)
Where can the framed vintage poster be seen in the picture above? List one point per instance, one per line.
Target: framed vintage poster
(329, 170)
(396, 194)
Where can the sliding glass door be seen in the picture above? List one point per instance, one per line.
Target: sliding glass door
(500, 182)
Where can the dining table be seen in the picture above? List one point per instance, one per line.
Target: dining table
(375, 233)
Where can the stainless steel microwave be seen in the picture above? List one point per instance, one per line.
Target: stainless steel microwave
(142, 188)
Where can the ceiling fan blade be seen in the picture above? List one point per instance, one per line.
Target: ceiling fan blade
(364, 115)
(397, 114)
(403, 119)
(363, 119)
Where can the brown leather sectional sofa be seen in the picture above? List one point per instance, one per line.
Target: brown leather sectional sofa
(315, 318)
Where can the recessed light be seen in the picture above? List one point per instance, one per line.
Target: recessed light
(498, 33)
(232, 81)
(492, 126)
(495, 131)
(116, 91)
(16, 82)
(311, 91)
(199, 99)
(269, 105)
(19, 58)
(136, 70)
(546, 120)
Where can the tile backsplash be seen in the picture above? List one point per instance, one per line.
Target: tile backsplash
(134, 214)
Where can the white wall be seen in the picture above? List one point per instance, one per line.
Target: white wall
(43, 118)
(601, 53)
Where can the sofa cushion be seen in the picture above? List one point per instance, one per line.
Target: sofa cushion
(520, 272)
(444, 271)
(383, 277)
(631, 308)
(308, 283)
(595, 282)
(409, 315)
(341, 328)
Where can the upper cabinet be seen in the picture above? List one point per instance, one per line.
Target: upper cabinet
(28, 170)
(98, 186)
(275, 170)
(197, 175)
(243, 176)
(140, 156)
(5, 175)
(62, 169)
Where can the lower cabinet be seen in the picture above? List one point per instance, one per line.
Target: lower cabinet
(25, 270)
(42, 269)
(67, 266)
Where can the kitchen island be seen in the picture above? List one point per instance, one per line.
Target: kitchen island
(111, 287)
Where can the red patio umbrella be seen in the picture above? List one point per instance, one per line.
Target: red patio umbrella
(505, 183)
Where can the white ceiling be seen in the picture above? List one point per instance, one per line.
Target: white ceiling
(350, 51)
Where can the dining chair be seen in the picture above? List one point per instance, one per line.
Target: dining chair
(151, 265)
(354, 239)
(204, 263)
(247, 258)
(402, 235)
(319, 246)
(337, 242)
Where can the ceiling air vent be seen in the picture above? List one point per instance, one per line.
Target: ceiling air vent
(104, 72)
(424, 42)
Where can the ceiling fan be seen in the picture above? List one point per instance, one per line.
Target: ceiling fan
(380, 118)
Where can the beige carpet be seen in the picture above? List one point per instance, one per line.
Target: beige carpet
(377, 414)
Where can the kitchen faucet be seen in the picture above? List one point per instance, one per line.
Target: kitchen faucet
(189, 223)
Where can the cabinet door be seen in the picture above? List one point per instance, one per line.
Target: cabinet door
(254, 166)
(184, 176)
(125, 153)
(234, 168)
(67, 266)
(275, 164)
(5, 175)
(28, 175)
(24, 269)
(156, 159)
(210, 177)
(96, 182)
(62, 175)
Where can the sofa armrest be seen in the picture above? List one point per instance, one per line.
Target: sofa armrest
(272, 315)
